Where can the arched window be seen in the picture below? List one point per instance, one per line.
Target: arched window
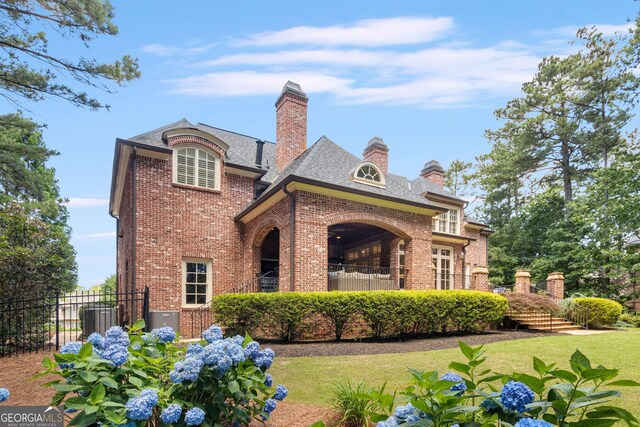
(196, 167)
(368, 173)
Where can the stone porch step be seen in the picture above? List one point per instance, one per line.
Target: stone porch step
(542, 321)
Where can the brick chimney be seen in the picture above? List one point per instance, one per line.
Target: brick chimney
(291, 124)
(377, 153)
(433, 172)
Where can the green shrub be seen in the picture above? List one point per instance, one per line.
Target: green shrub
(526, 302)
(632, 319)
(352, 404)
(386, 313)
(602, 311)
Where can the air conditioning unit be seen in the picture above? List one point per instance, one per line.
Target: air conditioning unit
(158, 319)
(98, 319)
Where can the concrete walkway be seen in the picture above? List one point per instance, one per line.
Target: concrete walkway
(588, 331)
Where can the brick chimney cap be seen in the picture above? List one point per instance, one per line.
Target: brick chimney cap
(378, 142)
(293, 88)
(432, 166)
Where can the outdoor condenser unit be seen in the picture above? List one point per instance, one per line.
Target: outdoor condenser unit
(158, 319)
(98, 319)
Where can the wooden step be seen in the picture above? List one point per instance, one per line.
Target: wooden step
(542, 321)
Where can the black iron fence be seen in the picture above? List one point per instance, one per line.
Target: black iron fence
(201, 317)
(539, 288)
(47, 322)
(345, 277)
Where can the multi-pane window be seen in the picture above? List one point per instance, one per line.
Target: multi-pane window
(442, 257)
(446, 222)
(196, 167)
(196, 278)
(368, 255)
(369, 174)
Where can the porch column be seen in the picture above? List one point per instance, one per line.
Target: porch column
(523, 282)
(418, 262)
(480, 278)
(555, 285)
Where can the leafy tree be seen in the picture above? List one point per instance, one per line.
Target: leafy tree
(458, 177)
(29, 71)
(35, 255)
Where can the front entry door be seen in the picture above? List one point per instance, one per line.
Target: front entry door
(443, 262)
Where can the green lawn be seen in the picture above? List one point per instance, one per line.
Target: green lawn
(310, 379)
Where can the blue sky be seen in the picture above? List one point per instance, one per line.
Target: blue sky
(425, 76)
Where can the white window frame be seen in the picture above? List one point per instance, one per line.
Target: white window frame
(452, 266)
(356, 178)
(442, 222)
(198, 148)
(209, 291)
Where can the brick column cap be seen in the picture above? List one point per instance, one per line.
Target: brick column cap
(522, 273)
(480, 270)
(556, 275)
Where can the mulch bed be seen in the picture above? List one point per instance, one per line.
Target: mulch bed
(353, 348)
(16, 371)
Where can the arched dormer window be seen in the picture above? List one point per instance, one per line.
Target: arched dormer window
(196, 167)
(368, 173)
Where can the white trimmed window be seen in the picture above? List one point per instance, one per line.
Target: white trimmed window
(368, 173)
(196, 167)
(447, 222)
(196, 282)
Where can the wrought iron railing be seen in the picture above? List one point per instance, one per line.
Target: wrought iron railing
(575, 313)
(452, 281)
(498, 289)
(201, 317)
(536, 319)
(539, 288)
(46, 322)
(347, 277)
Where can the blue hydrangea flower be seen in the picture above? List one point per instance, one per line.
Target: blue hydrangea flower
(186, 370)
(251, 350)
(150, 395)
(171, 414)
(164, 334)
(194, 417)
(72, 347)
(530, 422)
(515, 396)
(214, 333)
(139, 408)
(489, 405)
(270, 405)
(212, 353)
(389, 422)
(264, 358)
(96, 341)
(238, 339)
(116, 336)
(281, 392)
(194, 349)
(403, 412)
(70, 411)
(4, 394)
(460, 387)
(268, 380)
(234, 351)
(116, 354)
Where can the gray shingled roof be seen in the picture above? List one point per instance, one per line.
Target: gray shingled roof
(242, 148)
(329, 163)
(324, 161)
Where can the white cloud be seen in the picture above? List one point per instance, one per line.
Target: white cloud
(80, 202)
(96, 235)
(243, 83)
(166, 50)
(570, 30)
(369, 32)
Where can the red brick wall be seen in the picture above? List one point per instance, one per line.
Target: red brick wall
(314, 213)
(174, 223)
(291, 128)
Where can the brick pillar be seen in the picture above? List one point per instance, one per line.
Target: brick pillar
(523, 282)
(480, 278)
(555, 285)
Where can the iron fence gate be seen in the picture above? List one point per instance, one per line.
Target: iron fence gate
(46, 322)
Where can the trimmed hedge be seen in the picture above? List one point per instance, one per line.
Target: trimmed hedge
(385, 313)
(602, 311)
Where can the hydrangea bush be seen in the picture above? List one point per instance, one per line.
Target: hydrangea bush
(476, 396)
(145, 379)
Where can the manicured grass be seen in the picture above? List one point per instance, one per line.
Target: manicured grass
(310, 379)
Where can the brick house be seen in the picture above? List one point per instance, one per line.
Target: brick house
(201, 211)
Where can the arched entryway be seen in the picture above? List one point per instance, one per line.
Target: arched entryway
(269, 262)
(364, 257)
